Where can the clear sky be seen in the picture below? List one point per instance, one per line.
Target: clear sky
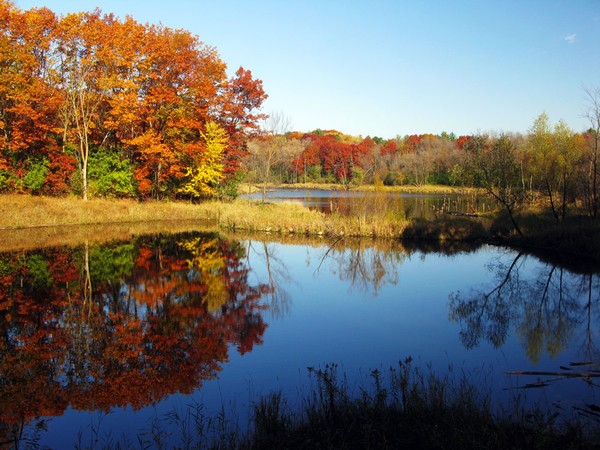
(386, 68)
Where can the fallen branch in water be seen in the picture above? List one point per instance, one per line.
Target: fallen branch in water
(558, 374)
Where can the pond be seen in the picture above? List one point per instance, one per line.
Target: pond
(411, 205)
(117, 342)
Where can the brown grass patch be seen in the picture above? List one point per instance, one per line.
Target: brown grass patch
(23, 211)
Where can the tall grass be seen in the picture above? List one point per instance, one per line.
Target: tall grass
(405, 407)
(424, 189)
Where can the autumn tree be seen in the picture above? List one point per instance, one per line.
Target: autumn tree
(238, 113)
(84, 83)
(28, 98)
(206, 173)
(307, 164)
(545, 160)
(555, 156)
(76, 87)
(273, 148)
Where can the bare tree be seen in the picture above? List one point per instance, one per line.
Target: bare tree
(593, 115)
(273, 148)
(493, 164)
(277, 124)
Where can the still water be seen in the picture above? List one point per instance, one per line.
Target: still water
(106, 343)
(410, 205)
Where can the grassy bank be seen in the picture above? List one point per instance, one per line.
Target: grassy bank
(363, 217)
(25, 211)
(248, 188)
(21, 211)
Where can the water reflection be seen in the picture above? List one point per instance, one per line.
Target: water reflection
(128, 323)
(98, 327)
(265, 254)
(402, 204)
(545, 307)
(366, 268)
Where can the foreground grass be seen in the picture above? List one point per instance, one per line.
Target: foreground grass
(404, 407)
(407, 408)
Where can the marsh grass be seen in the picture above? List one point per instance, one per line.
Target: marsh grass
(577, 236)
(403, 407)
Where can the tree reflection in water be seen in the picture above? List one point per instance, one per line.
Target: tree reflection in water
(546, 308)
(264, 254)
(98, 327)
(366, 267)
(549, 310)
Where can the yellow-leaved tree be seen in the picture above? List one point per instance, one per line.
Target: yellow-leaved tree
(206, 173)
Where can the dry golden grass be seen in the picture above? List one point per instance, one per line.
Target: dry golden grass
(22, 211)
(247, 188)
(289, 217)
(39, 219)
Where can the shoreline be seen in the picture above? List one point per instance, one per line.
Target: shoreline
(577, 238)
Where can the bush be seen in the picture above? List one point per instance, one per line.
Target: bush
(5, 178)
(110, 176)
(393, 179)
(36, 175)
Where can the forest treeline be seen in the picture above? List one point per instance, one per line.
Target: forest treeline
(91, 104)
(94, 104)
(550, 163)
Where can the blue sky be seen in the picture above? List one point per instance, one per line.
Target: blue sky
(386, 68)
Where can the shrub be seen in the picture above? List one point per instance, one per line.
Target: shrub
(34, 179)
(110, 176)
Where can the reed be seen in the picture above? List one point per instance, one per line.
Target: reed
(403, 407)
(408, 407)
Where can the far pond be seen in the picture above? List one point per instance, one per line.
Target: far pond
(107, 343)
(408, 205)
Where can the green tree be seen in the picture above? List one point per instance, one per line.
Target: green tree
(568, 159)
(36, 175)
(205, 174)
